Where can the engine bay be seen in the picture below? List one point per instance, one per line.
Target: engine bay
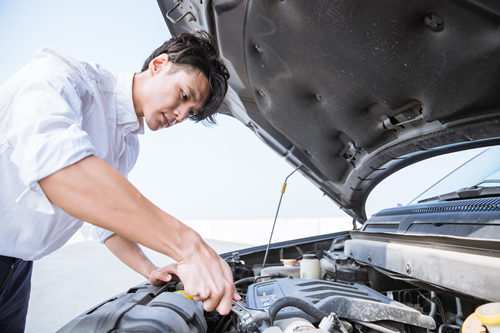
(343, 295)
(349, 296)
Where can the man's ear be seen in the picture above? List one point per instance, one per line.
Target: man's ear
(159, 63)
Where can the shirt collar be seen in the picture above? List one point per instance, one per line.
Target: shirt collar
(125, 104)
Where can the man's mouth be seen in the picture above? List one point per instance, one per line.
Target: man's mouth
(165, 121)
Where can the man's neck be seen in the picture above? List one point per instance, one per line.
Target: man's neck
(137, 93)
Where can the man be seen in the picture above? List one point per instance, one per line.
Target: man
(68, 138)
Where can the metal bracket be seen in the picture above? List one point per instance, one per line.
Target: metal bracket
(173, 20)
(351, 151)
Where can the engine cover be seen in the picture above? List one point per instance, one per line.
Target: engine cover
(349, 301)
(144, 308)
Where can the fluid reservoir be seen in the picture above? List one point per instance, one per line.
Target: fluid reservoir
(309, 267)
(289, 268)
(487, 315)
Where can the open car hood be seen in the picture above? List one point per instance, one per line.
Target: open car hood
(352, 91)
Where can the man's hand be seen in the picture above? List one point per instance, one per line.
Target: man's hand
(208, 278)
(198, 271)
(162, 275)
(93, 191)
(132, 255)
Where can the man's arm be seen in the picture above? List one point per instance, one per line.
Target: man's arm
(132, 255)
(93, 191)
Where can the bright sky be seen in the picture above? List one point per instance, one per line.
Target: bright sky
(190, 171)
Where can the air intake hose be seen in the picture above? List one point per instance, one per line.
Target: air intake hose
(297, 303)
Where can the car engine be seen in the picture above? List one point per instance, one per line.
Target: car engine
(343, 296)
(348, 297)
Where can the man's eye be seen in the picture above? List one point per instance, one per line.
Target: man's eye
(184, 96)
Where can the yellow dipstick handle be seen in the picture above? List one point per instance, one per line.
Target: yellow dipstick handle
(183, 293)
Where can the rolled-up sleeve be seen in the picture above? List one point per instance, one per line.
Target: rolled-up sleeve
(101, 234)
(46, 132)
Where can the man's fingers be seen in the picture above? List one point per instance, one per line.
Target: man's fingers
(208, 278)
(226, 301)
(160, 273)
(210, 303)
(211, 296)
(201, 296)
(236, 296)
(164, 276)
(157, 278)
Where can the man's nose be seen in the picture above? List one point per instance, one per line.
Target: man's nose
(181, 113)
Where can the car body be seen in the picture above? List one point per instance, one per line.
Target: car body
(350, 92)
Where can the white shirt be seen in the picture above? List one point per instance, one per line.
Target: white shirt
(54, 112)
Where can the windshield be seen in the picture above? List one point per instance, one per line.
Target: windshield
(435, 176)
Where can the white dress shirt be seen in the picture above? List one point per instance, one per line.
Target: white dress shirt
(54, 112)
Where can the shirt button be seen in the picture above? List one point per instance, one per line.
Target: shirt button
(120, 119)
(33, 205)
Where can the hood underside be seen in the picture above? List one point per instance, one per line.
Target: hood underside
(353, 91)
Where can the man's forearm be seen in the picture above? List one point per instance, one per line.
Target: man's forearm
(93, 191)
(131, 254)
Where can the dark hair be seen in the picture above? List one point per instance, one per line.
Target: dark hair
(198, 51)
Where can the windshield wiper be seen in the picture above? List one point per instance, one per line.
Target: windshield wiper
(447, 175)
(475, 191)
(488, 181)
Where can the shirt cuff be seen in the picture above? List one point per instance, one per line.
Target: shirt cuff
(51, 153)
(101, 234)
(34, 199)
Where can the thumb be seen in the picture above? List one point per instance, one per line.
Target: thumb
(164, 276)
(161, 275)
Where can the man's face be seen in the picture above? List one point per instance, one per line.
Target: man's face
(173, 93)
